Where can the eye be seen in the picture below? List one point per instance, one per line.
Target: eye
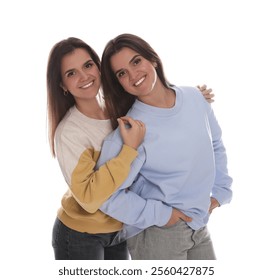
(89, 64)
(121, 74)
(137, 61)
(70, 74)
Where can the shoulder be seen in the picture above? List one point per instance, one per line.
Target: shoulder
(192, 97)
(66, 125)
(69, 132)
(191, 93)
(188, 91)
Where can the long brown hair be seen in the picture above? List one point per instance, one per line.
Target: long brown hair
(117, 100)
(58, 103)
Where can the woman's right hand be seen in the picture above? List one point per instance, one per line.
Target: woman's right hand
(176, 216)
(134, 135)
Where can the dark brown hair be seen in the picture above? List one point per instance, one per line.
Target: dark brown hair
(57, 103)
(117, 100)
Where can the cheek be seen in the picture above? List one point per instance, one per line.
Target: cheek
(69, 84)
(122, 83)
(71, 87)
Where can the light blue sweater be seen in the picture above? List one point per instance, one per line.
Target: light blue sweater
(182, 163)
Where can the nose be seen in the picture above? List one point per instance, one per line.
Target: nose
(132, 73)
(83, 75)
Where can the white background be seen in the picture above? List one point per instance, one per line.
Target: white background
(225, 44)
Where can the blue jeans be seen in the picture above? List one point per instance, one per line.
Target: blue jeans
(69, 244)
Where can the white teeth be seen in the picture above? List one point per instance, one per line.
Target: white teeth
(140, 81)
(88, 85)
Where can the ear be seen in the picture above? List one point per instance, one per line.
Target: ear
(155, 64)
(63, 87)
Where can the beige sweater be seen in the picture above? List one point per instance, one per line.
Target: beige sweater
(79, 137)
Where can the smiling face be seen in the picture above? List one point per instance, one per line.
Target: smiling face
(80, 75)
(136, 74)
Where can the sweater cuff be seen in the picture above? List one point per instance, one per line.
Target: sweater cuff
(165, 213)
(128, 154)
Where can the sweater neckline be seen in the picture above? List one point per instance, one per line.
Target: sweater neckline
(83, 117)
(161, 111)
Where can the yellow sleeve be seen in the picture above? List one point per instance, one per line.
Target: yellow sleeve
(92, 188)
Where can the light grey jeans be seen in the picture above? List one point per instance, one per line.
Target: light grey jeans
(177, 242)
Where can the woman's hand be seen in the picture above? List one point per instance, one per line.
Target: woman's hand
(207, 93)
(134, 134)
(213, 204)
(176, 216)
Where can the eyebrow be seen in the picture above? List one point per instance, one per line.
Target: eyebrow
(69, 70)
(131, 60)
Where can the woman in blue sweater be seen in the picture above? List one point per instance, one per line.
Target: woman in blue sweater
(182, 165)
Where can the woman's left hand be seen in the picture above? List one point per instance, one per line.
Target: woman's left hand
(207, 93)
(213, 204)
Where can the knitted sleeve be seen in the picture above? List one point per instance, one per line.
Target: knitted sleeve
(90, 187)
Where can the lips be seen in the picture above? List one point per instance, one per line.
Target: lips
(87, 85)
(139, 81)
